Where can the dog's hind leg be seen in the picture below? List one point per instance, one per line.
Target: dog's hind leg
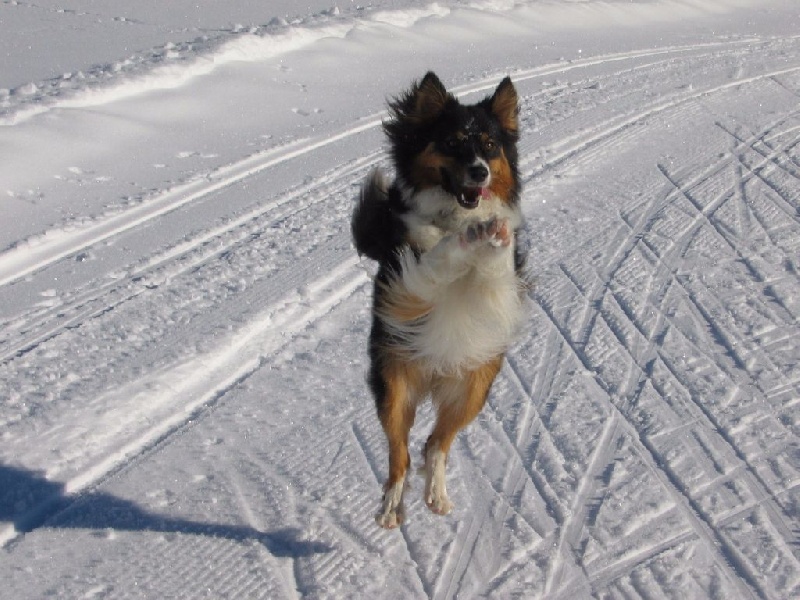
(396, 410)
(458, 401)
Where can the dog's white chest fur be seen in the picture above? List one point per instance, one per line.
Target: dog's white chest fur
(469, 282)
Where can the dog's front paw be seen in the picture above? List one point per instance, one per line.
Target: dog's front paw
(495, 232)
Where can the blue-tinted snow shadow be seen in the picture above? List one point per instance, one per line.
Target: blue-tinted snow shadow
(29, 501)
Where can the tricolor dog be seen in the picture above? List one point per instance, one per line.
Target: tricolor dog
(448, 295)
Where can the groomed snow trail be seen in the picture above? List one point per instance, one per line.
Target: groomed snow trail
(189, 418)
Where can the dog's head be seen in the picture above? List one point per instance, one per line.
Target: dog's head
(467, 150)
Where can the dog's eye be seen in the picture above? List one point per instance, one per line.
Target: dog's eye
(490, 146)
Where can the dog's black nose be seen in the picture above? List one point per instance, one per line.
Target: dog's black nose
(478, 173)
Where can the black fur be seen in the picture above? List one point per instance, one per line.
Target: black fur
(376, 227)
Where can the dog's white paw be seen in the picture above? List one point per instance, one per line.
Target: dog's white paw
(392, 512)
(495, 232)
(435, 490)
(391, 519)
(438, 502)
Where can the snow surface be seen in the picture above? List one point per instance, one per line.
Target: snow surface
(183, 319)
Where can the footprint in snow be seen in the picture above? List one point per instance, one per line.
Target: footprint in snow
(305, 113)
(192, 154)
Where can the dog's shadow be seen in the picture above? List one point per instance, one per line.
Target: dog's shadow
(29, 501)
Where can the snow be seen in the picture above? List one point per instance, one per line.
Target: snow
(183, 318)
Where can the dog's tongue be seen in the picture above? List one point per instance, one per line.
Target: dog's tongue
(470, 197)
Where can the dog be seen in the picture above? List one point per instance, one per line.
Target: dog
(449, 290)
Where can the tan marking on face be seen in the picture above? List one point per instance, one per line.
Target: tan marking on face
(426, 171)
(502, 178)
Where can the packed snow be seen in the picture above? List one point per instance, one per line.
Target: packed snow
(183, 318)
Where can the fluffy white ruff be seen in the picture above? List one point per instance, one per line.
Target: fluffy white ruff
(472, 286)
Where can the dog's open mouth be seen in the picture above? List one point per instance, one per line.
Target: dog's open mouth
(470, 197)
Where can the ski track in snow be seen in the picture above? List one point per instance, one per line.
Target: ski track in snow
(641, 440)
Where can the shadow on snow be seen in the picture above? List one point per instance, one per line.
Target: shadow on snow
(29, 501)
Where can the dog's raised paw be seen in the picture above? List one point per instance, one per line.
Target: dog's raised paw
(495, 232)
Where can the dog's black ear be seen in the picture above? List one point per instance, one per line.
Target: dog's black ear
(416, 108)
(430, 98)
(422, 103)
(504, 105)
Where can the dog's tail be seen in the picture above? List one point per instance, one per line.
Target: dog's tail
(372, 218)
